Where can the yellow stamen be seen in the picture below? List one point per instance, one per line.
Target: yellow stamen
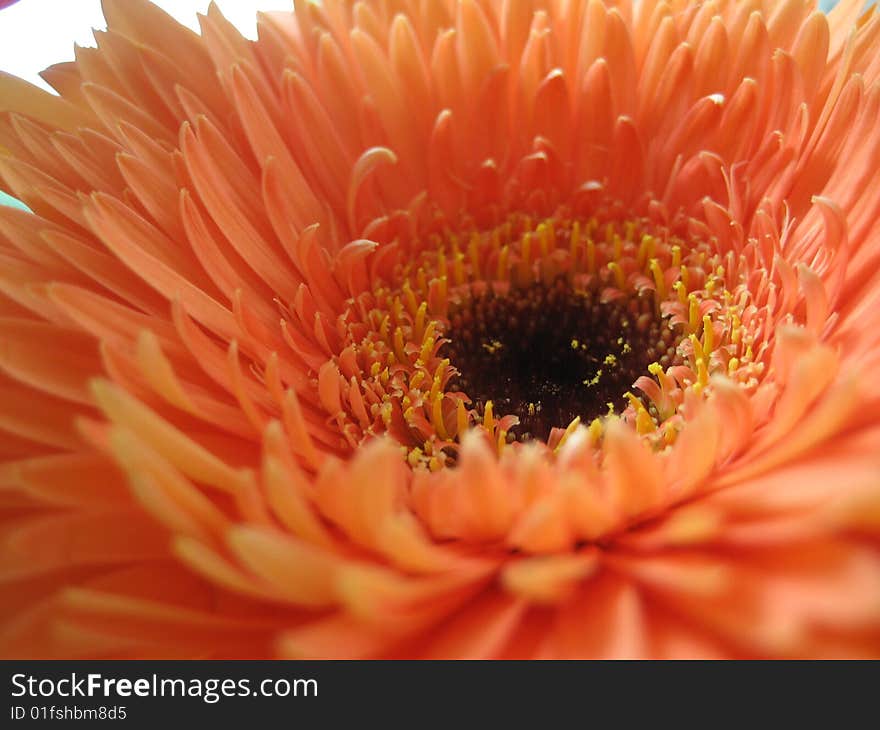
(570, 429)
(414, 456)
(702, 372)
(411, 304)
(644, 422)
(698, 348)
(681, 291)
(619, 278)
(437, 418)
(398, 344)
(659, 280)
(444, 288)
(503, 262)
(543, 239)
(428, 342)
(646, 250)
(736, 330)
(416, 380)
(591, 256)
(437, 382)
(421, 313)
(458, 268)
(501, 440)
(441, 369)
(488, 417)
(708, 334)
(385, 410)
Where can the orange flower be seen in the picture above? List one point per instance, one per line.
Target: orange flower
(531, 328)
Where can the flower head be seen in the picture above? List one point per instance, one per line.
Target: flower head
(534, 328)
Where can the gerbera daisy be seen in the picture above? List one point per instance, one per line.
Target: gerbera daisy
(462, 328)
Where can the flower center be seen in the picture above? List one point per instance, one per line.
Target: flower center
(525, 329)
(549, 354)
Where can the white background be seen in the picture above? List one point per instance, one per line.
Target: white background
(35, 34)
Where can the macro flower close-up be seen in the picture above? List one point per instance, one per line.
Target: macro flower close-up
(500, 329)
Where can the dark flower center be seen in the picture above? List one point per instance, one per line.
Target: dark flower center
(550, 354)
